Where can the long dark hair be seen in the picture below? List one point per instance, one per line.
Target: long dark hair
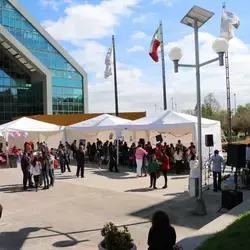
(160, 220)
(35, 160)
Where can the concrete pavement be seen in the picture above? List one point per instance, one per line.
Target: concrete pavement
(73, 212)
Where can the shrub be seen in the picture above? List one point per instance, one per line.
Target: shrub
(115, 239)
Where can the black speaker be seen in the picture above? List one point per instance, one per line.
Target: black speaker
(231, 199)
(142, 141)
(159, 138)
(209, 140)
(236, 155)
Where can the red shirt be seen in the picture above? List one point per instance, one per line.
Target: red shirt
(165, 163)
(40, 159)
(15, 151)
(158, 154)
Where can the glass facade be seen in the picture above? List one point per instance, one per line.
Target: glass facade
(67, 82)
(19, 96)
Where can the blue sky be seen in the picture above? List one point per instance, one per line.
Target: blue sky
(139, 16)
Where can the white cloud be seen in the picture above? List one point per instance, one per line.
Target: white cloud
(139, 19)
(213, 76)
(89, 21)
(138, 35)
(136, 94)
(54, 4)
(168, 3)
(136, 48)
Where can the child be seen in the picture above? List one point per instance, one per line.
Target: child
(35, 170)
(153, 168)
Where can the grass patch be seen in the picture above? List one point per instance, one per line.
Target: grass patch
(235, 237)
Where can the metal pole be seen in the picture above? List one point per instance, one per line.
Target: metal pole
(115, 78)
(172, 100)
(176, 109)
(229, 112)
(163, 69)
(200, 205)
(235, 106)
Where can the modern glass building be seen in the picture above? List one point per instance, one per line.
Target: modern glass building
(37, 76)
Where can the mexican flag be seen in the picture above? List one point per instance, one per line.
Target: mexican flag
(156, 41)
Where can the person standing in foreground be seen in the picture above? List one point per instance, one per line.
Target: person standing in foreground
(80, 158)
(153, 168)
(217, 161)
(161, 235)
(139, 155)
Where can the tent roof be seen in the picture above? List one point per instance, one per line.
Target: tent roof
(168, 119)
(102, 122)
(29, 125)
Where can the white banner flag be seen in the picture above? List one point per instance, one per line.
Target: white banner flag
(108, 62)
(228, 21)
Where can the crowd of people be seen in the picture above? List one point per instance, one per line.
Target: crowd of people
(143, 157)
(38, 163)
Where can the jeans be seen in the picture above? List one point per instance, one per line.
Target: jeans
(52, 177)
(217, 185)
(165, 174)
(139, 166)
(80, 167)
(178, 166)
(67, 164)
(62, 166)
(36, 179)
(153, 180)
(46, 178)
(25, 177)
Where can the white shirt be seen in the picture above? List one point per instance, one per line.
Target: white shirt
(178, 157)
(52, 161)
(217, 161)
(193, 164)
(194, 170)
(36, 170)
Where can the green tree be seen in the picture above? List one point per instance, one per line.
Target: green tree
(241, 122)
(210, 106)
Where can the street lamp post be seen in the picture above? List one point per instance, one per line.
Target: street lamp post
(195, 18)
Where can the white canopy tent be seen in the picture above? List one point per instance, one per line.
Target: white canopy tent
(176, 126)
(35, 131)
(102, 126)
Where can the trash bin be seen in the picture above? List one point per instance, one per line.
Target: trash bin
(193, 187)
(13, 161)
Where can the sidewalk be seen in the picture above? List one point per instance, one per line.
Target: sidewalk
(74, 211)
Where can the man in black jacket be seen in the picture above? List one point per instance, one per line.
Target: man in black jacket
(80, 158)
(25, 168)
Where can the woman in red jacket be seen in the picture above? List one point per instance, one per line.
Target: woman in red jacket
(165, 166)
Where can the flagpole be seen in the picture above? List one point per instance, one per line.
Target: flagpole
(163, 69)
(115, 78)
(229, 113)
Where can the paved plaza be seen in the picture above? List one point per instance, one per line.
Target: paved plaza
(71, 214)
